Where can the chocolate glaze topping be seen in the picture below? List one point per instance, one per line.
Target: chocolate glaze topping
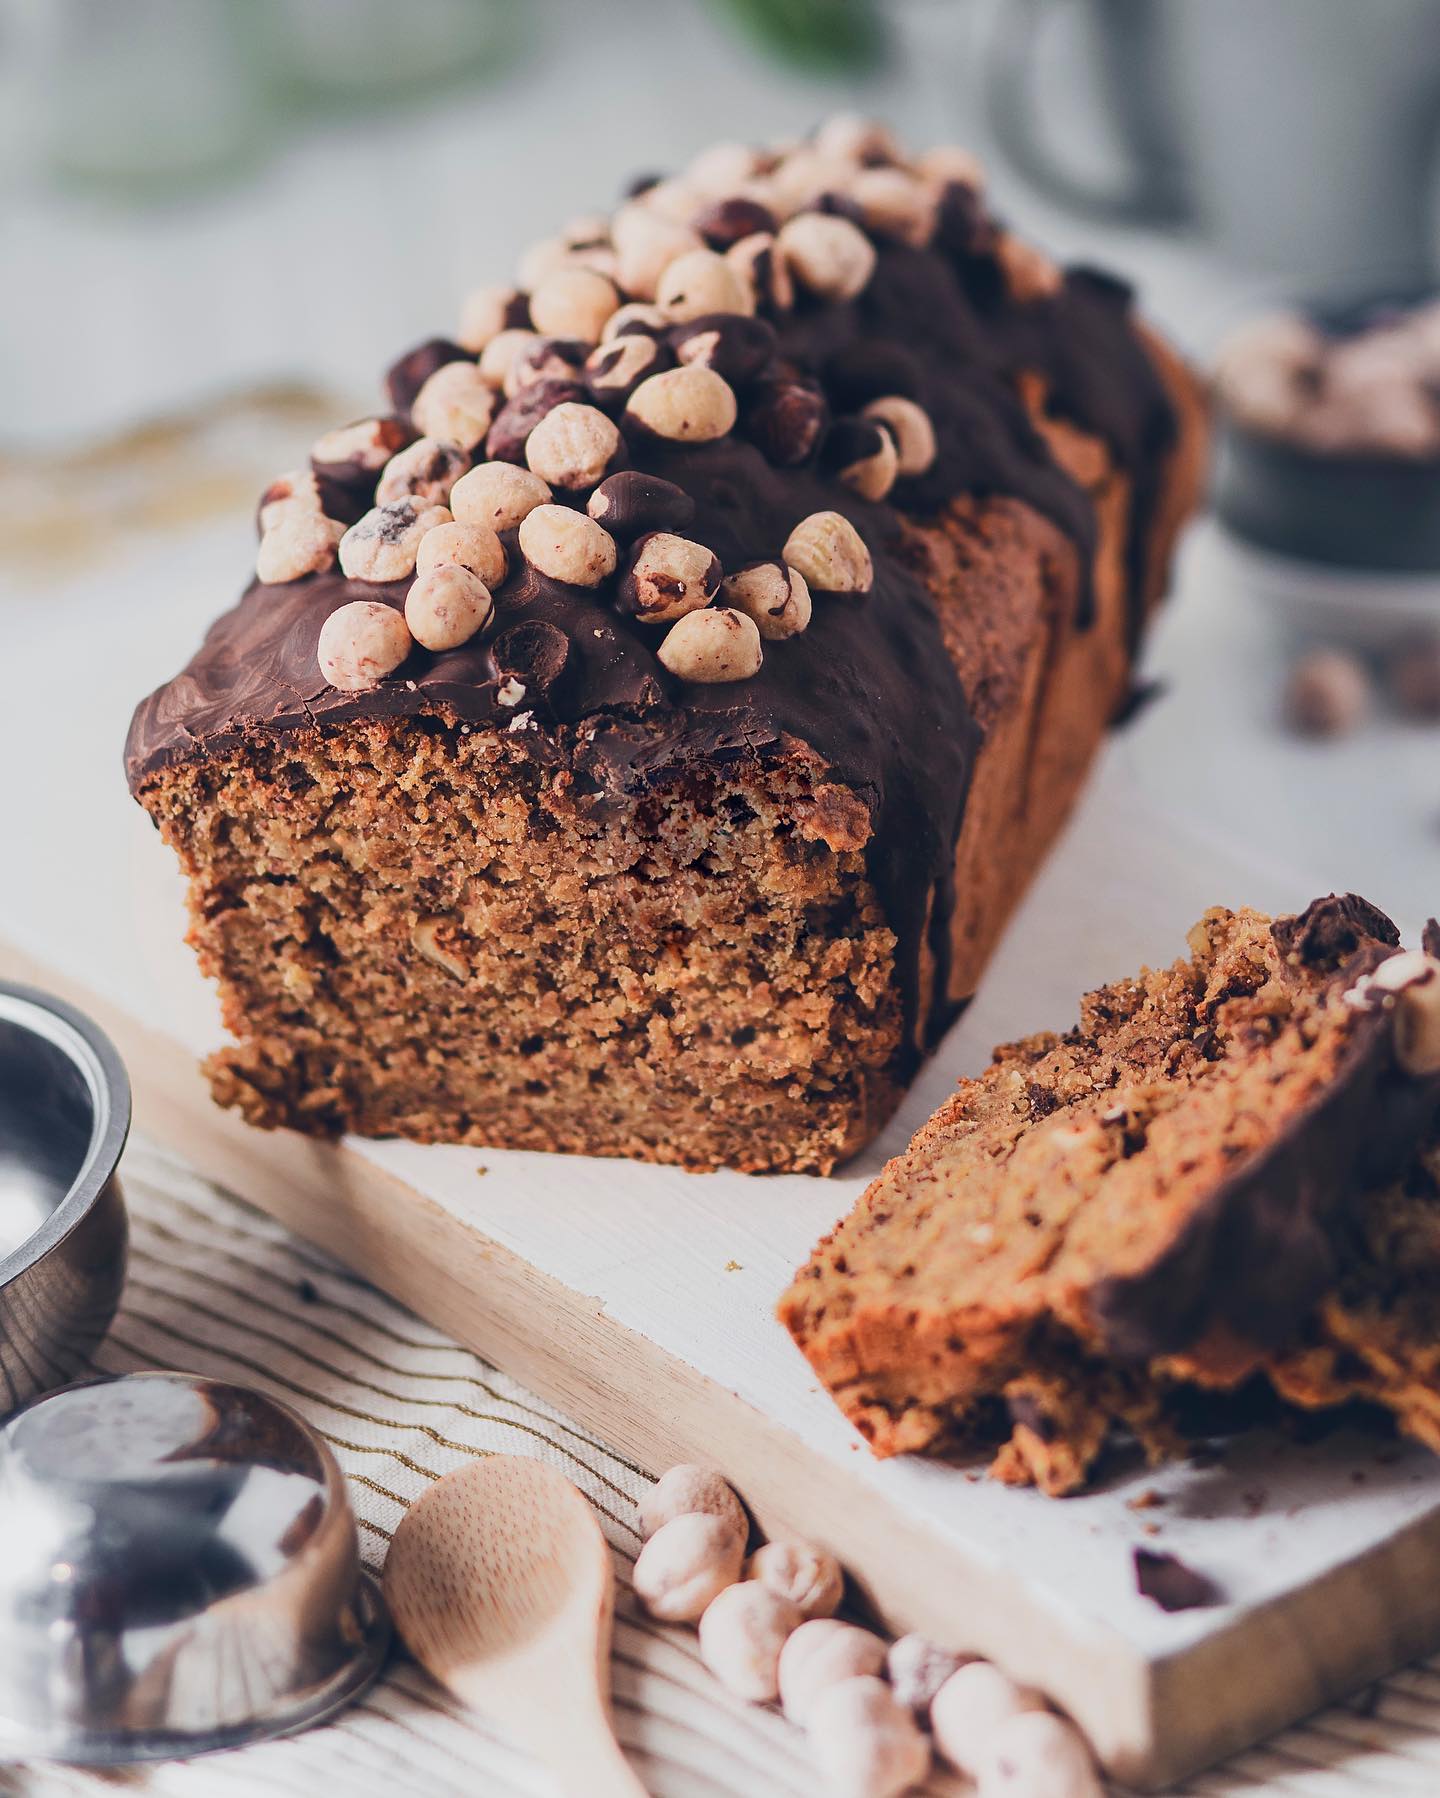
(869, 687)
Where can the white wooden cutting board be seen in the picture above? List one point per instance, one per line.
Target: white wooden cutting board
(640, 1299)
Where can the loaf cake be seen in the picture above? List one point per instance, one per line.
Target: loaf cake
(1222, 1175)
(637, 733)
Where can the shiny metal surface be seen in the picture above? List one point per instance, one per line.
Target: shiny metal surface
(179, 1573)
(64, 1116)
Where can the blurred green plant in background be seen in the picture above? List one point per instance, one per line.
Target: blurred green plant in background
(837, 36)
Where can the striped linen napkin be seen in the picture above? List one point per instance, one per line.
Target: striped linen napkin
(217, 1288)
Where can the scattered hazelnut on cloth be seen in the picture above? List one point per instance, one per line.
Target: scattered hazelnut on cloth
(690, 1488)
(805, 1575)
(864, 1743)
(917, 1668)
(969, 1709)
(1038, 1755)
(820, 1654)
(686, 1564)
(742, 1632)
(360, 643)
(1328, 694)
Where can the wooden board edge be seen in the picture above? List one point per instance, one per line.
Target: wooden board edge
(1151, 1723)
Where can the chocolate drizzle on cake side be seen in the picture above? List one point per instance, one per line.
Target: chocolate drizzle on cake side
(868, 688)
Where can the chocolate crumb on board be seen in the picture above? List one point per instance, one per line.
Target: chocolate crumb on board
(1172, 1585)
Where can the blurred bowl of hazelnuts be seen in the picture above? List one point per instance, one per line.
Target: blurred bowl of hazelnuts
(1329, 458)
(1327, 487)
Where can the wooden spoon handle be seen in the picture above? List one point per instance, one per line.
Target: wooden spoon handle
(588, 1761)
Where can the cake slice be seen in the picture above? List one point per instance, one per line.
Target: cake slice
(1164, 1197)
(639, 730)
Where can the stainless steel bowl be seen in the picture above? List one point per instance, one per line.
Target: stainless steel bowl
(180, 1573)
(64, 1115)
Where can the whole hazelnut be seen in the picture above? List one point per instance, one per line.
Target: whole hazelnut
(567, 546)
(541, 260)
(484, 314)
(546, 359)
(831, 554)
(854, 138)
(700, 282)
(911, 428)
(672, 197)
(472, 546)
(1415, 678)
(635, 316)
(686, 1488)
(361, 643)
(861, 453)
(352, 452)
(737, 348)
(573, 302)
(667, 576)
(946, 164)
(741, 1635)
(800, 1572)
(917, 1668)
(505, 348)
(864, 1743)
(447, 606)
(720, 168)
(1029, 273)
(828, 255)
(1327, 694)
(969, 1709)
(454, 406)
(630, 503)
(728, 221)
(689, 405)
(572, 445)
(712, 646)
(405, 377)
(686, 1564)
(758, 262)
(498, 494)
(614, 370)
(805, 177)
(425, 472)
(1037, 1755)
(518, 417)
(786, 419)
(298, 540)
(771, 593)
(896, 204)
(382, 545)
(292, 493)
(645, 244)
(821, 1653)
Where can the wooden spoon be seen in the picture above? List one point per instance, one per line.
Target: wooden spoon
(500, 1583)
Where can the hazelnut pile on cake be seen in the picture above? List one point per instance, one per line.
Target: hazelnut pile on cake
(636, 735)
(1224, 1173)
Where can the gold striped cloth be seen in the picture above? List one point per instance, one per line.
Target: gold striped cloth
(216, 1288)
